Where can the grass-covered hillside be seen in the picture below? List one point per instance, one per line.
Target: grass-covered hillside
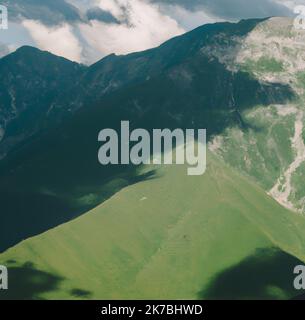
(172, 236)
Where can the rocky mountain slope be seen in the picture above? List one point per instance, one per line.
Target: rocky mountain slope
(271, 148)
(31, 82)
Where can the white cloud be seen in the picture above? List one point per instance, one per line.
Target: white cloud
(143, 24)
(291, 4)
(189, 19)
(4, 50)
(113, 6)
(59, 40)
(147, 27)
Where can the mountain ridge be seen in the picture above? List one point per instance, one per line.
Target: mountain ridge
(93, 82)
(200, 92)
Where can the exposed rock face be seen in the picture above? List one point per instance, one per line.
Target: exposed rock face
(273, 149)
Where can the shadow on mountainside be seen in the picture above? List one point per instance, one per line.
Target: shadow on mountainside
(26, 282)
(29, 214)
(56, 176)
(267, 274)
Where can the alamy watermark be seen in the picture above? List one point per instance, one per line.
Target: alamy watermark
(299, 281)
(299, 21)
(163, 147)
(3, 278)
(3, 17)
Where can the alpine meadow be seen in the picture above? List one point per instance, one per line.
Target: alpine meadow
(170, 173)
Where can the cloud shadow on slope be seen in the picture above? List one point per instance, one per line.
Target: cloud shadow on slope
(26, 282)
(267, 274)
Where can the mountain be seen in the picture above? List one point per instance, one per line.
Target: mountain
(136, 227)
(31, 81)
(176, 85)
(172, 237)
(39, 90)
(271, 149)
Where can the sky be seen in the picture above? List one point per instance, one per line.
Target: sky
(87, 30)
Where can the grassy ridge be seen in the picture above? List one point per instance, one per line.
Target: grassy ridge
(173, 236)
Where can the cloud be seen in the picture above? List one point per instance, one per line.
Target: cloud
(144, 26)
(103, 27)
(4, 50)
(59, 40)
(49, 12)
(115, 7)
(188, 19)
(291, 4)
(234, 9)
(99, 14)
(87, 30)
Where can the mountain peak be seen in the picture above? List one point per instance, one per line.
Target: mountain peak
(31, 53)
(27, 48)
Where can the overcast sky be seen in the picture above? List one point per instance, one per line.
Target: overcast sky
(87, 30)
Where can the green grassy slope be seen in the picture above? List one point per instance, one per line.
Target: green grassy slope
(173, 236)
